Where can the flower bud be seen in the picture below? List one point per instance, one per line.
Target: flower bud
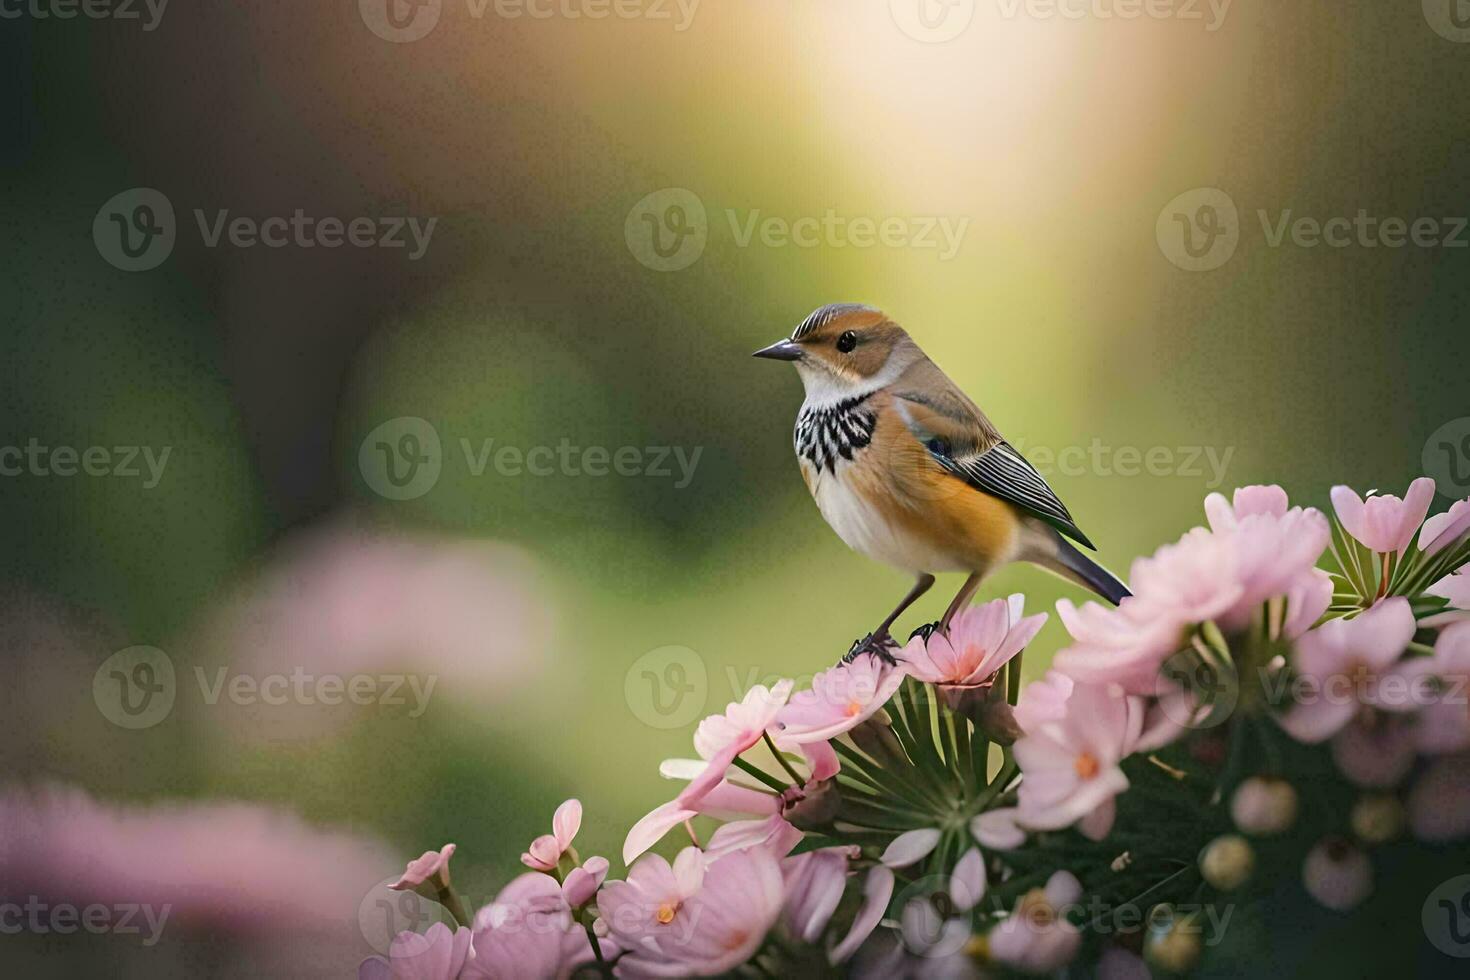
(1378, 818)
(1338, 874)
(1264, 805)
(1227, 862)
(813, 807)
(1174, 945)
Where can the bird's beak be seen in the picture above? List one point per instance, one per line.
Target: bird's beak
(781, 350)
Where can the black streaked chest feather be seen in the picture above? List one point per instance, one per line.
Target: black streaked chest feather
(828, 433)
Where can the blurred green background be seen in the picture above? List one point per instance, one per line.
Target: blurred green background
(530, 319)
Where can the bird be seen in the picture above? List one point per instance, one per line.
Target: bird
(910, 472)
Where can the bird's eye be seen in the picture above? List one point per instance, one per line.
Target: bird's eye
(847, 341)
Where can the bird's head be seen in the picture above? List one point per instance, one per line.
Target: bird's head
(845, 349)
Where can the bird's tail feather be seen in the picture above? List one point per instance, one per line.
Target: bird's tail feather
(1073, 564)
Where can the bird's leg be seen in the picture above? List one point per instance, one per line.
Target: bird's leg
(960, 600)
(877, 642)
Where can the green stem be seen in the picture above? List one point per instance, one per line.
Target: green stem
(602, 965)
(795, 779)
(763, 776)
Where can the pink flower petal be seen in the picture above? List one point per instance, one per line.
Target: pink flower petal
(967, 884)
(877, 890)
(910, 848)
(566, 822)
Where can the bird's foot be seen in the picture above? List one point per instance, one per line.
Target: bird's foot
(873, 645)
(927, 630)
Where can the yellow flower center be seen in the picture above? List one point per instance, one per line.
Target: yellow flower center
(1035, 909)
(854, 709)
(665, 913)
(1086, 766)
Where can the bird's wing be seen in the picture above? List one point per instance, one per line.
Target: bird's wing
(963, 441)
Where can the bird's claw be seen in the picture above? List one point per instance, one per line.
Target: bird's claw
(875, 646)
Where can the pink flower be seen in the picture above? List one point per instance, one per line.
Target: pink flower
(980, 641)
(1070, 767)
(546, 851)
(689, 919)
(839, 700)
(427, 875)
(1439, 803)
(1444, 723)
(1226, 515)
(236, 869)
(1037, 937)
(997, 829)
(1346, 659)
(877, 890)
(1384, 522)
(728, 800)
(1376, 751)
(721, 738)
(1443, 530)
(1257, 551)
(1124, 646)
(582, 883)
(773, 834)
(1337, 874)
(1045, 700)
(528, 933)
(437, 954)
(815, 882)
(1455, 588)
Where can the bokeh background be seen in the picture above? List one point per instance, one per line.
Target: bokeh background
(575, 626)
